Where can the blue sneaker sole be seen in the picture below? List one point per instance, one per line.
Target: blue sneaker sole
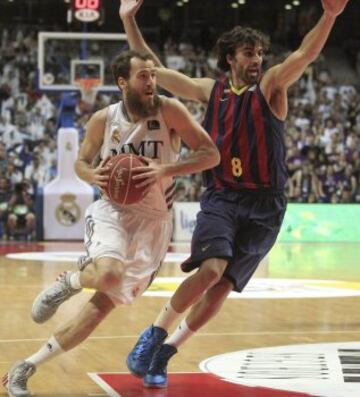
(155, 386)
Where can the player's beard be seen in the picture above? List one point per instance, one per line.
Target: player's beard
(245, 76)
(139, 107)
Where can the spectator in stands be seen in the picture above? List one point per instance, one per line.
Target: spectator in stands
(20, 218)
(330, 185)
(348, 181)
(5, 195)
(6, 100)
(36, 174)
(13, 175)
(324, 110)
(3, 159)
(304, 185)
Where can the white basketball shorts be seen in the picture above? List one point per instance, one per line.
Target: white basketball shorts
(138, 239)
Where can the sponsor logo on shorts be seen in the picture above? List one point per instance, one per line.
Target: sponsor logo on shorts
(205, 247)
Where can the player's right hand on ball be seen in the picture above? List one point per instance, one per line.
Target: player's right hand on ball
(148, 175)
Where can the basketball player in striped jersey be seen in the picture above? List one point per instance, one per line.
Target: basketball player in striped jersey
(126, 245)
(244, 203)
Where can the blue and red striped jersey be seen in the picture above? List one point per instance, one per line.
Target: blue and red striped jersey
(249, 137)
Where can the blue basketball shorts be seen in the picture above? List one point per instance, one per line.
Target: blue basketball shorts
(240, 227)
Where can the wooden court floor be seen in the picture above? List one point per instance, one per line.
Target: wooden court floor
(241, 324)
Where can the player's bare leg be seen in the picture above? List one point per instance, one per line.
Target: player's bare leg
(188, 293)
(64, 339)
(200, 314)
(102, 275)
(79, 328)
(193, 288)
(209, 305)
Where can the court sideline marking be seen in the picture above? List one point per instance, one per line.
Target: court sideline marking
(110, 337)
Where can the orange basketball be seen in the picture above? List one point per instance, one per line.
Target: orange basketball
(121, 188)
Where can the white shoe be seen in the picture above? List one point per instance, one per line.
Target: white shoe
(16, 380)
(47, 302)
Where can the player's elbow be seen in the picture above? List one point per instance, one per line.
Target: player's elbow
(307, 56)
(78, 167)
(213, 155)
(81, 167)
(217, 157)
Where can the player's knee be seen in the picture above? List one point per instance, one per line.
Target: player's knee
(210, 274)
(221, 289)
(110, 277)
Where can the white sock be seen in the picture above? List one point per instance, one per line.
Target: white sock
(48, 351)
(180, 335)
(166, 317)
(75, 280)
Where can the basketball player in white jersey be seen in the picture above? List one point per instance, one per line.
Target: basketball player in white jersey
(126, 245)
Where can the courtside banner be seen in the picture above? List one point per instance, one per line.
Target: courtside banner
(302, 222)
(184, 220)
(321, 223)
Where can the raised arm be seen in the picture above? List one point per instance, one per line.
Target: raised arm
(174, 82)
(127, 12)
(195, 89)
(281, 76)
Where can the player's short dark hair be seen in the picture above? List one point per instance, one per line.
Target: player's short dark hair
(121, 65)
(239, 36)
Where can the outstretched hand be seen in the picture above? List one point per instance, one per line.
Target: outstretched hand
(334, 7)
(129, 8)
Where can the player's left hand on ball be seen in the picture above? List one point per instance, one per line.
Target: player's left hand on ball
(148, 175)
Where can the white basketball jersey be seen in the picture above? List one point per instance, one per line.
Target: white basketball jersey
(149, 137)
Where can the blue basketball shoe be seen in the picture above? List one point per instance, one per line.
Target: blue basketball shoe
(156, 377)
(139, 359)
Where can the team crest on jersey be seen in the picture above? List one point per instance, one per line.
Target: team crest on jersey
(153, 124)
(115, 136)
(68, 212)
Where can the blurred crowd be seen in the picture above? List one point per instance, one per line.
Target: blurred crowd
(322, 130)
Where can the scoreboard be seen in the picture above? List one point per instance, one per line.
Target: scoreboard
(87, 10)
